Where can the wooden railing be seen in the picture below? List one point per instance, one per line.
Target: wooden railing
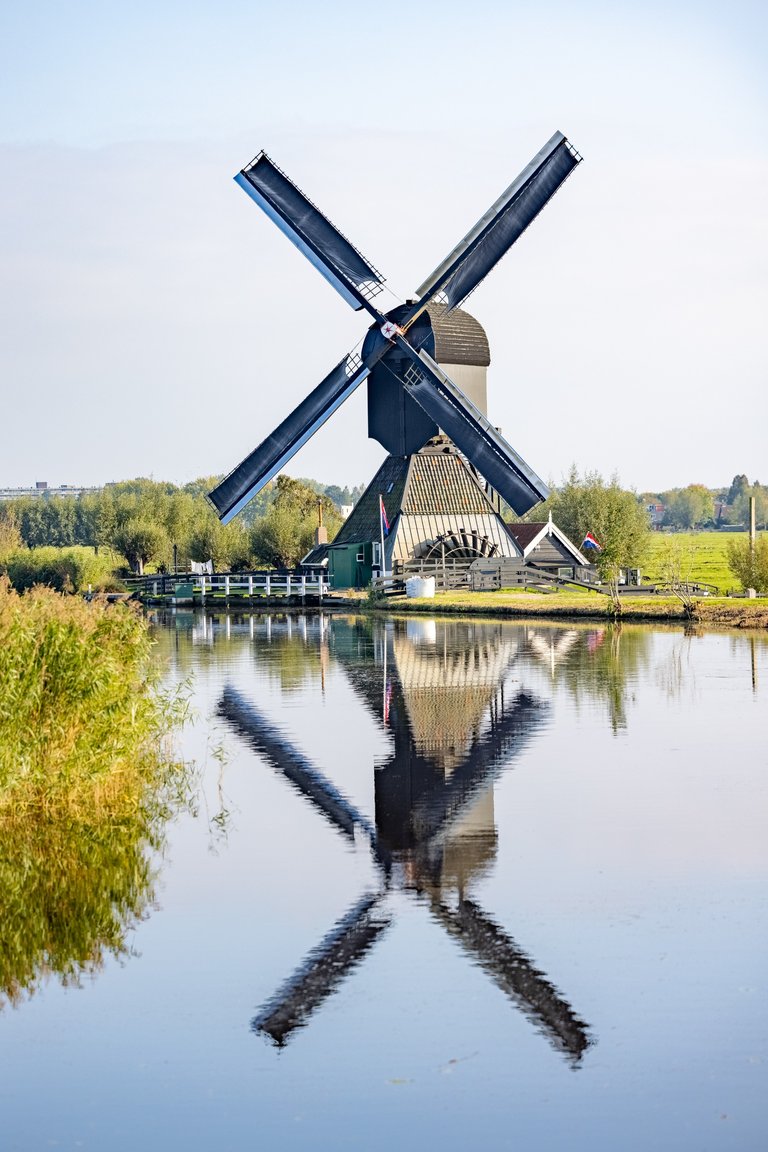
(203, 587)
(449, 573)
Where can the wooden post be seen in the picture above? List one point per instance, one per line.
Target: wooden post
(250, 586)
(288, 585)
(202, 587)
(268, 586)
(303, 586)
(226, 588)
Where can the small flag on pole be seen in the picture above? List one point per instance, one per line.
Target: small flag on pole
(383, 514)
(590, 542)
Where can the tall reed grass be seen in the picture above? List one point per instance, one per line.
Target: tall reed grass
(87, 783)
(83, 725)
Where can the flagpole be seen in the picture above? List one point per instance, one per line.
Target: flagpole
(384, 693)
(381, 532)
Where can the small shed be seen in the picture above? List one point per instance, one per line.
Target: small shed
(546, 547)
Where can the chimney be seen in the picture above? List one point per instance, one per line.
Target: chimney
(321, 532)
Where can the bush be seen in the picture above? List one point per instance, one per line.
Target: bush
(750, 566)
(63, 569)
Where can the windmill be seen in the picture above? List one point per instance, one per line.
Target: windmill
(433, 830)
(415, 408)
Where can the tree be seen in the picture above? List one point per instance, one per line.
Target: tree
(676, 561)
(226, 545)
(614, 516)
(10, 536)
(298, 496)
(741, 504)
(29, 516)
(286, 533)
(338, 495)
(687, 507)
(140, 541)
(738, 485)
(278, 539)
(749, 565)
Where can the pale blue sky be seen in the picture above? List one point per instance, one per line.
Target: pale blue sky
(154, 322)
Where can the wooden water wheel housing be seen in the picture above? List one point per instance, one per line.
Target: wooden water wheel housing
(461, 544)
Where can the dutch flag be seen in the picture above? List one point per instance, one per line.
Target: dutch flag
(383, 515)
(590, 542)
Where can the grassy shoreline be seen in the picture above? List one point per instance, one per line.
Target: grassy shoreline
(717, 612)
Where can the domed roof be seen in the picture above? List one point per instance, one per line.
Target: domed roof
(459, 338)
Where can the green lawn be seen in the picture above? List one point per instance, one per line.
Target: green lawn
(703, 557)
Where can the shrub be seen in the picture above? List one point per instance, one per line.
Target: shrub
(63, 569)
(750, 566)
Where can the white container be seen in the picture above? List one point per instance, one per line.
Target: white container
(421, 631)
(420, 587)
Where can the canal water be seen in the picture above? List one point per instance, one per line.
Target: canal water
(444, 884)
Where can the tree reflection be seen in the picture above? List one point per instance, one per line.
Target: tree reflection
(287, 643)
(71, 895)
(600, 664)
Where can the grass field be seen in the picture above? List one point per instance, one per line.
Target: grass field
(702, 557)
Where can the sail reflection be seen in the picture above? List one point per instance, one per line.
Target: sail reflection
(457, 720)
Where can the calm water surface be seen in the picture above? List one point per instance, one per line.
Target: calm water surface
(448, 885)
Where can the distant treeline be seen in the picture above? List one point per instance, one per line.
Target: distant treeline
(149, 522)
(699, 507)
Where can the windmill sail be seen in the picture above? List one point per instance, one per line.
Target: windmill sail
(313, 234)
(494, 234)
(358, 282)
(515, 974)
(474, 435)
(244, 481)
(324, 969)
(284, 757)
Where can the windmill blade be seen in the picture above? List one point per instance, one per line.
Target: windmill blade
(326, 966)
(335, 258)
(270, 743)
(249, 477)
(495, 233)
(514, 973)
(474, 435)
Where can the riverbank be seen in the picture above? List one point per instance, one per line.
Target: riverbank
(712, 611)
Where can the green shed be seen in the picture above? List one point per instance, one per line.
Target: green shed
(352, 565)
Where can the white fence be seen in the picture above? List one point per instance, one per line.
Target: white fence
(232, 585)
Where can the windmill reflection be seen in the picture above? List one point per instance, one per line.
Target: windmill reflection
(442, 691)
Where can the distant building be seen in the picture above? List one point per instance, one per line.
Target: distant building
(722, 512)
(656, 514)
(41, 489)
